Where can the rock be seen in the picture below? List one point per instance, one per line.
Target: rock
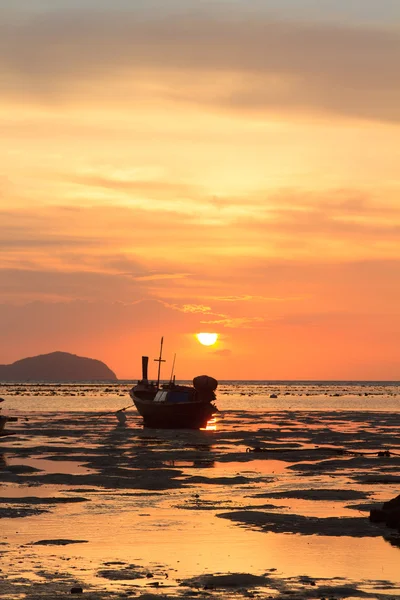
(227, 581)
(76, 590)
(388, 514)
(58, 542)
(393, 504)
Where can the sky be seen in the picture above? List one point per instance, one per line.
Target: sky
(171, 167)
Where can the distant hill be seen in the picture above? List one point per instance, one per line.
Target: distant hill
(57, 366)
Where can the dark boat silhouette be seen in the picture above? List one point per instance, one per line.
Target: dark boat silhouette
(173, 406)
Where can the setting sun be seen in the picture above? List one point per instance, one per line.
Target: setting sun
(207, 339)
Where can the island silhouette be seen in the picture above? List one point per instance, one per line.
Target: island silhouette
(57, 366)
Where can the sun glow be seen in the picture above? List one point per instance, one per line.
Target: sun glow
(207, 339)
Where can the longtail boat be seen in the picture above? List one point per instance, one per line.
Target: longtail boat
(174, 406)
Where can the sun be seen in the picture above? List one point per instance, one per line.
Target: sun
(207, 339)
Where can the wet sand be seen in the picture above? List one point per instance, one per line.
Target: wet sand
(262, 505)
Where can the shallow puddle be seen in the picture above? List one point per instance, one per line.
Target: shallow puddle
(49, 466)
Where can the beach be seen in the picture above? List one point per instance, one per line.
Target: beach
(271, 500)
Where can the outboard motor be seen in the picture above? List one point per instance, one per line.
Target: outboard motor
(205, 387)
(203, 383)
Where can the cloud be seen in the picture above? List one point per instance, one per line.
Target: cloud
(55, 241)
(305, 219)
(224, 352)
(238, 322)
(159, 189)
(204, 248)
(160, 276)
(350, 310)
(241, 61)
(196, 308)
(83, 284)
(241, 298)
(190, 308)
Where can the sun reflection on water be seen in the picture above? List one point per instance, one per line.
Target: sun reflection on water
(212, 425)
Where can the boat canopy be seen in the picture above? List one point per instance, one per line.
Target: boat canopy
(161, 396)
(172, 396)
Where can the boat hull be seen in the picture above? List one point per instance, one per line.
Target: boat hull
(183, 415)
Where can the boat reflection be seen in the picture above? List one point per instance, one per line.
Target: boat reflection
(212, 425)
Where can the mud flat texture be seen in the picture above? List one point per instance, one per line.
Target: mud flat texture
(260, 505)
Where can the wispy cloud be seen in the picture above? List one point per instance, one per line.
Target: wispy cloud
(156, 188)
(316, 225)
(241, 61)
(189, 308)
(238, 322)
(160, 276)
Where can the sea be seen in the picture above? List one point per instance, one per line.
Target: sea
(231, 396)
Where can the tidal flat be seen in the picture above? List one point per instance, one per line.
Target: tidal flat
(268, 504)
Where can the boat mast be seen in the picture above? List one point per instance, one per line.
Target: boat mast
(159, 360)
(173, 366)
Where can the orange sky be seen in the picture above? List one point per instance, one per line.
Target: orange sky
(211, 169)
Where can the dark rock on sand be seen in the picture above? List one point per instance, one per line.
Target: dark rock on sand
(59, 542)
(388, 514)
(230, 580)
(316, 494)
(127, 573)
(21, 469)
(15, 513)
(38, 500)
(237, 480)
(393, 540)
(57, 366)
(292, 523)
(76, 589)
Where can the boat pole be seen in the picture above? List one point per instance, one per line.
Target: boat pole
(159, 360)
(173, 366)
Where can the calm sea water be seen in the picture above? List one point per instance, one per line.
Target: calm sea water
(231, 395)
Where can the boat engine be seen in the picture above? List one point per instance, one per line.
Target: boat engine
(204, 383)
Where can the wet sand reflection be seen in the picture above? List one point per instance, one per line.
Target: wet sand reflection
(279, 496)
